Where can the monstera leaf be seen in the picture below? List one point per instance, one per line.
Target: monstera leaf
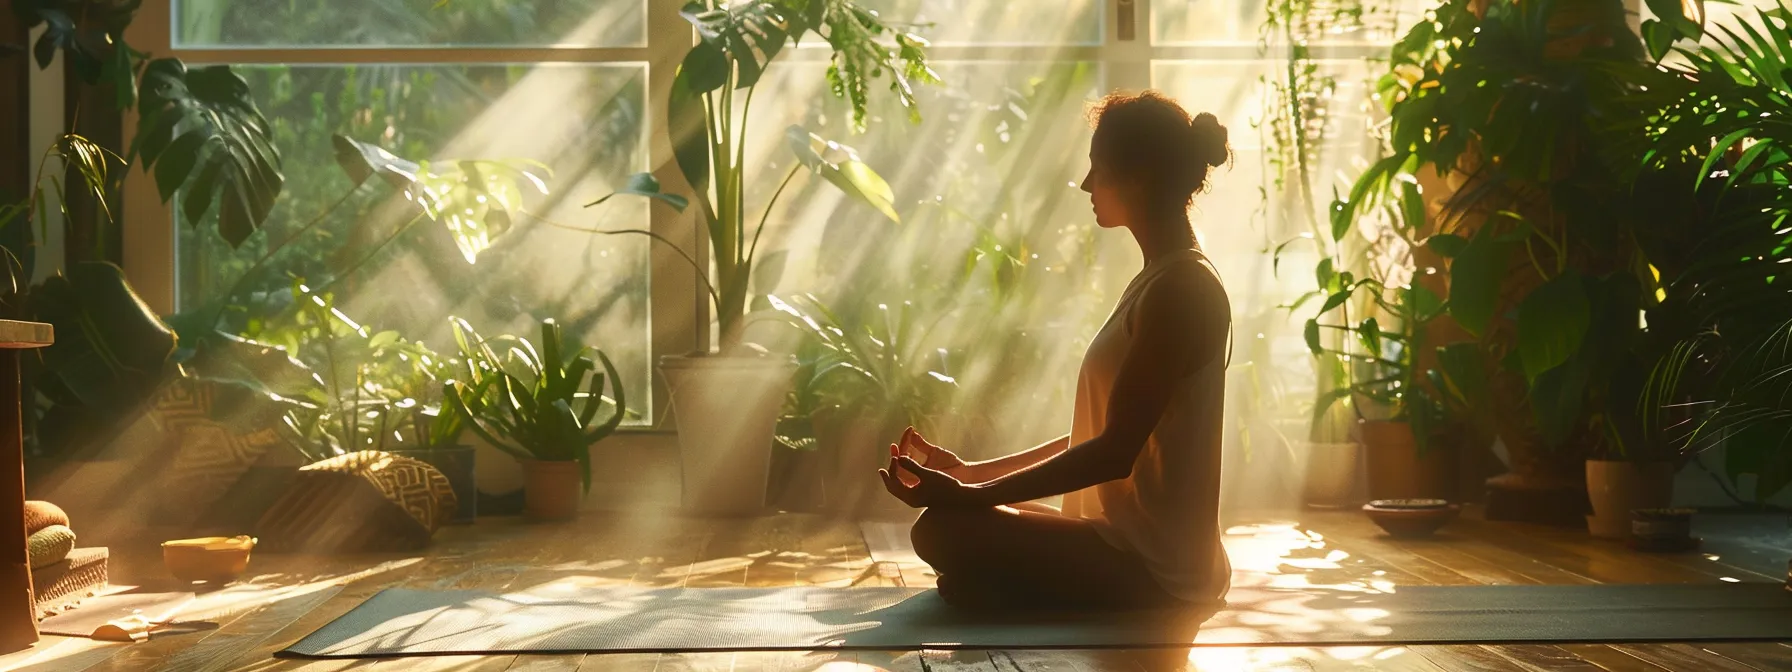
(745, 36)
(474, 199)
(201, 132)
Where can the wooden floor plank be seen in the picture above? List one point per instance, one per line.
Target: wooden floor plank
(1766, 656)
(1610, 659)
(1468, 659)
(1543, 657)
(619, 662)
(1683, 657)
(556, 663)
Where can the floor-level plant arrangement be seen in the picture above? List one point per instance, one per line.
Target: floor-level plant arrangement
(542, 402)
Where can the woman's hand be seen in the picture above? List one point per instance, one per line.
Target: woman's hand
(933, 457)
(925, 487)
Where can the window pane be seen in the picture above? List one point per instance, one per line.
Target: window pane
(1240, 21)
(1246, 216)
(409, 23)
(998, 21)
(585, 123)
(994, 239)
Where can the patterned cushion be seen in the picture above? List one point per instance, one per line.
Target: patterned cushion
(211, 437)
(41, 514)
(365, 501)
(49, 546)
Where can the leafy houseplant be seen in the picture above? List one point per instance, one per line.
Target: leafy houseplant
(726, 406)
(538, 406)
(870, 373)
(1508, 105)
(1716, 125)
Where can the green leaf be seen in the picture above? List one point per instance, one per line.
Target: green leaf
(1369, 332)
(1421, 304)
(1447, 245)
(768, 272)
(1326, 277)
(690, 133)
(1336, 299)
(1462, 373)
(1552, 321)
(1475, 277)
(1312, 335)
(361, 160)
(750, 33)
(848, 173)
(645, 185)
(1556, 399)
(210, 108)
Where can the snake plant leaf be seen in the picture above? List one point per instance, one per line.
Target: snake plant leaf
(202, 123)
(1552, 322)
(645, 185)
(848, 173)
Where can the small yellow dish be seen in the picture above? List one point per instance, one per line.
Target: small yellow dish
(214, 559)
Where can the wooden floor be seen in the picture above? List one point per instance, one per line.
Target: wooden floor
(1322, 549)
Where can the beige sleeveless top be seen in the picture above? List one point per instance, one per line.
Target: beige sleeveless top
(1167, 511)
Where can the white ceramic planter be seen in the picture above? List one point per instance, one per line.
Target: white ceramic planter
(726, 409)
(1616, 487)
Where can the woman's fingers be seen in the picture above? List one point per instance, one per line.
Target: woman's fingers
(924, 474)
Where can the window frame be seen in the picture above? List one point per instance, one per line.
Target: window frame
(678, 306)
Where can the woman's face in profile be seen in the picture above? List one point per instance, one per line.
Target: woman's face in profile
(1104, 195)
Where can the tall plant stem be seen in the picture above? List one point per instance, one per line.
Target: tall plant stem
(241, 280)
(352, 268)
(701, 274)
(768, 209)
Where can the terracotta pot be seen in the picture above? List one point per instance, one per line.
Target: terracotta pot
(1331, 472)
(1398, 471)
(1617, 487)
(551, 490)
(726, 409)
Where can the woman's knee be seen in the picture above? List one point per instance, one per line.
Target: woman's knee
(939, 534)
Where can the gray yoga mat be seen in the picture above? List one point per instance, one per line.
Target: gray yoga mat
(566, 619)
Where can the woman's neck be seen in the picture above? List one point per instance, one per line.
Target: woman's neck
(1163, 235)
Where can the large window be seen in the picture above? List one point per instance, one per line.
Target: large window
(995, 239)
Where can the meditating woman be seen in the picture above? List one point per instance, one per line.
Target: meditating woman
(1140, 469)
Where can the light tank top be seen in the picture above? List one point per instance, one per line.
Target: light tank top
(1167, 511)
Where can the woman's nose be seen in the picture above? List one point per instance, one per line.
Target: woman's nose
(1087, 179)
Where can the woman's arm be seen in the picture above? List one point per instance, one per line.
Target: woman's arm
(989, 470)
(1171, 340)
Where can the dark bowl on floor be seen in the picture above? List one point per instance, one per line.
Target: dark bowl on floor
(1404, 518)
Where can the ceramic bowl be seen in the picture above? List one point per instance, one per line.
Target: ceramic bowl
(1411, 517)
(213, 559)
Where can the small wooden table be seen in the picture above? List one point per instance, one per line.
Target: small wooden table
(18, 613)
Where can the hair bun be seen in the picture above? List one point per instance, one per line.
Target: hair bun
(1211, 139)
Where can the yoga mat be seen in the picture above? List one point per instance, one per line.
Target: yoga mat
(560, 618)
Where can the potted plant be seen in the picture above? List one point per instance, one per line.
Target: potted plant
(1722, 386)
(872, 375)
(1540, 240)
(1398, 412)
(537, 406)
(726, 402)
